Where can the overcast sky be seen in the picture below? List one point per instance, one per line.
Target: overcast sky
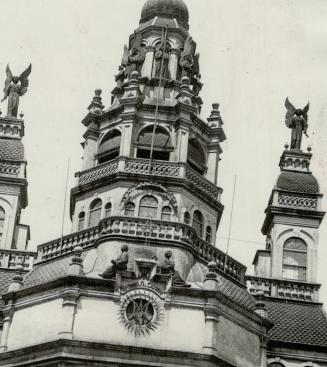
(254, 53)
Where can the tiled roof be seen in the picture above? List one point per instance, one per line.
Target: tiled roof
(11, 149)
(228, 288)
(161, 139)
(46, 272)
(110, 144)
(6, 277)
(298, 182)
(301, 323)
(236, 293)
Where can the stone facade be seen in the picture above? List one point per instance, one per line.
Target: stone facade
(139, 281)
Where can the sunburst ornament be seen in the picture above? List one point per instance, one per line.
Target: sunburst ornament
(141, 310)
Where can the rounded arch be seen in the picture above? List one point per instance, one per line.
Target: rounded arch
(129, 209)
(166, 213)
(81, 221)
(162, 145)
(95, 212)
(109, 146)
(150, 187)
(295, 253)
(197, 222)
(187, 218)
(148, 207)
(108, 209)
(196, 157)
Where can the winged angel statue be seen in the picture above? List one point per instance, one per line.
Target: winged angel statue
(15, 87)
(297, 120)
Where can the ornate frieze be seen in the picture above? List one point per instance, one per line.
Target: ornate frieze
(141, 310)
(297, 201)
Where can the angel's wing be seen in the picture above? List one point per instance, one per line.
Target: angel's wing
(7, 82)
(305, 115)
(290, 112)
(196, 65)
(124, 60)
(137, 39)
(24, 79)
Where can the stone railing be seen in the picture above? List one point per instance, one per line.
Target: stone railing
(141, 166)
(10, 259)
(297, 201)
(282, 288)
(128, 227)
(10, 168)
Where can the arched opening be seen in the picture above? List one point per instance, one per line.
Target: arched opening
(148, 207)
(2, 223)
(195, 156)
(161, 144)
(187, 218)
(276, 364)
(81, 221)
(295, 259)
(166, 213)
(109, 147)
(197, 223)
(95, 212)
(107, 210)
(130, 209)
(209, 234)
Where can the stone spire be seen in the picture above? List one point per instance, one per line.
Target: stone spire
(14, 236)
(292, 222)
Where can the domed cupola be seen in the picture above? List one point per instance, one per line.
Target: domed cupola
(167, 9)
(297, 182)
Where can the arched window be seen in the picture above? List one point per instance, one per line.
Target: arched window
(161, 144)
(81, 221)
(148, 207)
(197, 223)
(2, 222)
(130, 209)
(107, 210)
(109, 146)
(195, 156)
(209, 234)
(95, 212)
(295, 259)
(187, 218)
(166, 213)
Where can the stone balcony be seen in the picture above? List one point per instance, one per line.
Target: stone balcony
(283, 288)
(158, 168)
(11, 259)
(140, 229)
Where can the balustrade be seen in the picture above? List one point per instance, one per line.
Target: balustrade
(12, 259)
(141, 166)
(181, 233)
(282, 288)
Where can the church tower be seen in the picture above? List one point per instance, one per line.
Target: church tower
(150, 154)
(285, 272)
(14, 235)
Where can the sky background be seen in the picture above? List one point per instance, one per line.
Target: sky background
(254, 53)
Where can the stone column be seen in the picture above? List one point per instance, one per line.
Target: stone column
(69, 303)
(182, 144)
(126, 140)
(8, 313)
(90, 148)
(146, 70)
(173, 64)
(211, 310)
(212, 164)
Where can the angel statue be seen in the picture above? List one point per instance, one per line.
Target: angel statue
(15, 87)
(297, 120)
(186, 61)
(133, 59)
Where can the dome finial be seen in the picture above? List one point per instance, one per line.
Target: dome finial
(166, 9)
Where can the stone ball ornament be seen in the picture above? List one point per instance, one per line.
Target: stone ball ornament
(141, 311)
